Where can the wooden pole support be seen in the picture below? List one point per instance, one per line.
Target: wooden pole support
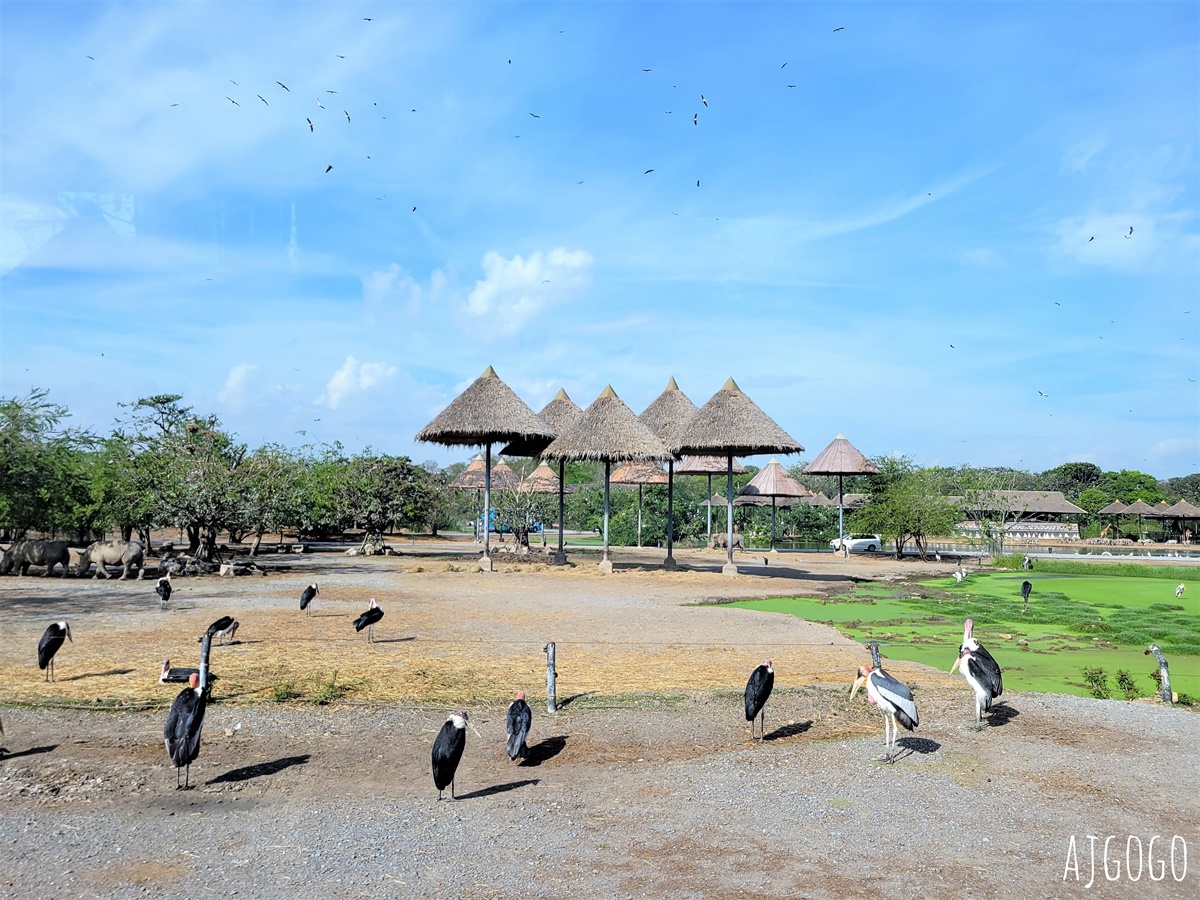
(1164, 676)
(551, 674)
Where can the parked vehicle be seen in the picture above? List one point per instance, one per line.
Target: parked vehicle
(858, 543)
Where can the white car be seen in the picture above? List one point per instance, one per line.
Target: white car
(857, 543)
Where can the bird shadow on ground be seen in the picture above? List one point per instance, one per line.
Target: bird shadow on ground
(1001, 715)
(97, 674)
(395, 640)
(328, 616)
(5, 755)
(544, 750)
(784, 731)
(497, 789)
(260, 770)
(919, 745)
(566, 701)
(240, 642)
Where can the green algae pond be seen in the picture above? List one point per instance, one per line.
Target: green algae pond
(1072, 622)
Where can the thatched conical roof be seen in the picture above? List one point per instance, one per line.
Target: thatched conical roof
(487, 412)
(607, 430)
(503, 476)
(1115, 508)
(542, 480)
(669, 414)
(715, 500)
(1162, 510)
(1185, 510)
(707, 465)
(849, 501)
(639, 473)
(1138, 508)
(819, 499)
(773, 480)
(560, 414)
(759, 500)
(470, 478)
(841, 458)
(730, 423)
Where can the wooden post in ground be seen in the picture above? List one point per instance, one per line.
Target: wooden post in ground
(551, 674)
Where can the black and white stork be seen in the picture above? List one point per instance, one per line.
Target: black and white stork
(176, 675)
(758, 689)
(181, 733)
(893, 698)
(163, 589)
(226, 634)
(448, 750)
(368, 619)
(49, 644)
(520, 718)
(307, 597)
(980, 670)
(1026, 590)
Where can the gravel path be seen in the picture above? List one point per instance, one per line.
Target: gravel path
(657, 794)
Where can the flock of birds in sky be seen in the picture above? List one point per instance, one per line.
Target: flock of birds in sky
(185, 720)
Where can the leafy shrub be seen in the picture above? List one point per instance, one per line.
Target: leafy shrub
(1097, 682)
(328, 691)
(284, 690)
(1126, 685)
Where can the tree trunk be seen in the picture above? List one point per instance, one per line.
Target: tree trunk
(193, 536)
(126, 532)
(258, 536)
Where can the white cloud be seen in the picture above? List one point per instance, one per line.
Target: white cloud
(393, 291)
(514, 291)
(239, 379)
(353, 378)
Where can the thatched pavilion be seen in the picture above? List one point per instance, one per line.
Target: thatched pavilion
(730, 424)
(1138, 508)
(707, 466)
(607, 432)
(641, 474)
(774, 482)
(486, 413)
(667, 416)
(841, 458)
(560, 414)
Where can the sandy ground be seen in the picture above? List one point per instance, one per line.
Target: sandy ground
(644, 784)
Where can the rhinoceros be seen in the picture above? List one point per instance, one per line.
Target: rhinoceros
(112, 553)
(719, 541)
(24, 554)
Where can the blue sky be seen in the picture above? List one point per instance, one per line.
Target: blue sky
(903, 230)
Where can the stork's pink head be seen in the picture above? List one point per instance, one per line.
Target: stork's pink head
(967, 626)
(194, 681)
(520, 695)
(767, 663)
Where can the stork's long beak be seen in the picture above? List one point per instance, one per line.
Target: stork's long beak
(957, 660)
(69, 638)
(858, 682)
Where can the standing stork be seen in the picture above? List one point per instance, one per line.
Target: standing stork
(894, 700)
(307, 597)
(226, 634)
(368, 619)
(163, 589)
(448, 750)
(49, 644)
(758, 689)
(520, 718)
(181, 733)
(1026, 589)
(980, 670)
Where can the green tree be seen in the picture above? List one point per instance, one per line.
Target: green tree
(381, 492)
(271, 495)
(910, 506)
(1185, 487)
(1072, 479)
(1129, 485)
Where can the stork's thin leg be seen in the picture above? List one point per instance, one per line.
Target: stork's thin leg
(452, 797)
(762, 725)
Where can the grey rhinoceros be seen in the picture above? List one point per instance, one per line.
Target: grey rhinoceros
(112, 553)
(24, 554)
(719, 541)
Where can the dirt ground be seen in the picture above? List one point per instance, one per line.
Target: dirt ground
(644, 784)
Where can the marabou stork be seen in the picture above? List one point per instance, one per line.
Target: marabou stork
(307, 597)
(758, 689)
(894, 700)
(517, 726)
(228, 631)
(368, 619)
(163, 589)
(181, 734)
(980, 670)
(1026, 590)
(176, 675)
(49, 644)
(448, 750)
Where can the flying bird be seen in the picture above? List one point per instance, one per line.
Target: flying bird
(952, 347)
(697, 182)
(1092, 238)
(648, 171)
(328, 169)
(368, 619)
(645, 70)
(841, 28)
(234, 102)
(365, 19)
(1040, 394)
(784, 66)
(306, 597)
(309, 121)
(758, 689)
(695, 118)
(1128, 236)
(262, 98)
(329, 91)
(535, 115)
(448, 750)
(284, 86)
(320, 104)
(163, 589)
(517, 726)
(892, 698)
(702, 100)
(980, 670)
(51, 640)
(181, 733)
(346, 114)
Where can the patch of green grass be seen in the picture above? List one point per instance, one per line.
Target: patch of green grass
(329, 690)
(1078, 567)
(284, 690)
(1072, 622)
